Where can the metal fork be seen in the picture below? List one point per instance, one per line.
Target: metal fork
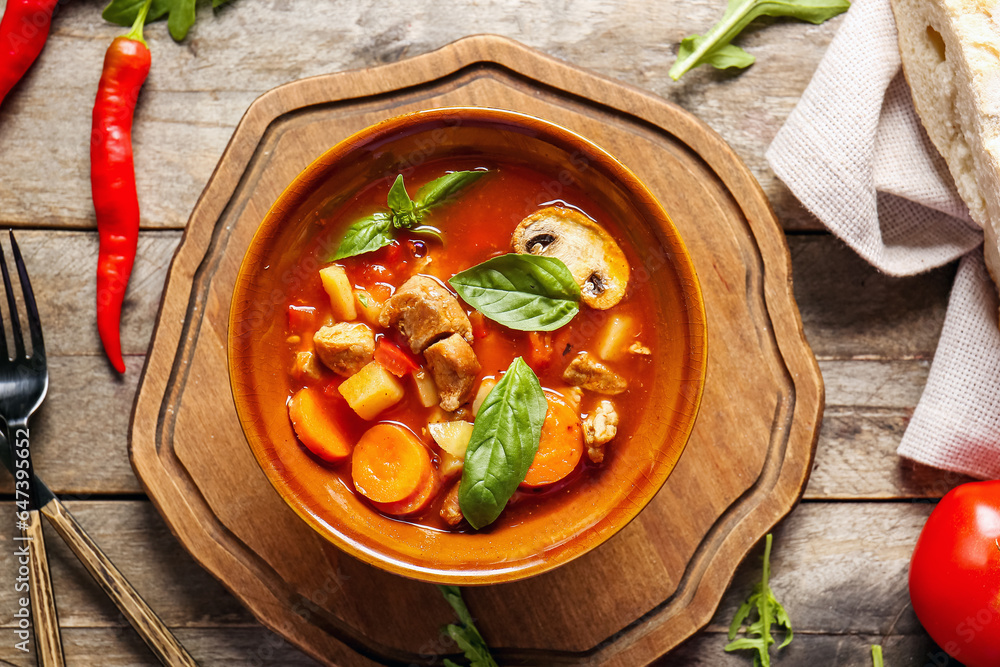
(24, 381)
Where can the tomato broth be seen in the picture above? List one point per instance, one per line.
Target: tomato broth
(475, 225)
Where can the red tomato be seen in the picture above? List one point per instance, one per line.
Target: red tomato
(955, 574)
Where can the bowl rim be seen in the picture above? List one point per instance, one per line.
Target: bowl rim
(302, 186)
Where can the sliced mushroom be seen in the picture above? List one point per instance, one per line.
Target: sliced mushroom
(597, 263)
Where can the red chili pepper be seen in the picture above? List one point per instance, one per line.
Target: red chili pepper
(23, 31)
(112, 179)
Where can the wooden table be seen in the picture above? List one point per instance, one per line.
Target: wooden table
(840, 560)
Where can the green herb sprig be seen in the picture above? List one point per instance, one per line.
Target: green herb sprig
(714, 48)
(180, 14)
(769, 611)
(503, 444)
(465, 633)
(522, 292)
(377, 230)
(877, 656)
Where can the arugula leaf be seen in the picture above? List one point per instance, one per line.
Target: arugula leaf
(445, 187)
(503, 444)
(877, 656)
(523, 292)
(769, 611)
(466, 635)
(180, 13)
(714, 47)
(365, 235)
(374, 231)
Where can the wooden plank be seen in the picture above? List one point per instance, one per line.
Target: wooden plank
(839, 569)
(62, 266)
(197, 92)
(120, 647)
(852, 311)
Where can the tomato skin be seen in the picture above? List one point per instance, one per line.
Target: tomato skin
(955, 574)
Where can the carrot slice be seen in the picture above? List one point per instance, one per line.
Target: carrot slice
(560, 448)
(389, 464)
(415, 503)
(317, 426)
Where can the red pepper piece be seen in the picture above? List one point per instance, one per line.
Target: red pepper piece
(394, 358)
(112, 179)
(23, 32)
(301, 318)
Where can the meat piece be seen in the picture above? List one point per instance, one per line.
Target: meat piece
(346, 347)
(424, 311)
(450, 510)
(587, 372)
(600, 426)
(306, 366)
(454, 367)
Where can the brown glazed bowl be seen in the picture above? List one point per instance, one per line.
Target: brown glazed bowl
(557, 532)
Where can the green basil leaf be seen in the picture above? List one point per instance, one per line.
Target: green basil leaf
(124, 12)
(714, 49)
(365, 235)
(503, 444)
(180, 14)
(523, 292)
(429, 230)
(181, 19)
(441, 189)
(403, 213)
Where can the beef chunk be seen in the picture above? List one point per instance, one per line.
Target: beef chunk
(424, 312)
(587, 372)
(345, 347)
(454, 367)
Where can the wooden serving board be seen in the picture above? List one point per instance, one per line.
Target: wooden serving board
(630, 600)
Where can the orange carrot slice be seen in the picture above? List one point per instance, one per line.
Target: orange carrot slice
(415, 503)
(317, 427)
(389, 464)
(560, 448)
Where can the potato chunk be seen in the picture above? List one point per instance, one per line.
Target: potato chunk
(615, 337)
(452, 437)
(371, 390)
(338, 287)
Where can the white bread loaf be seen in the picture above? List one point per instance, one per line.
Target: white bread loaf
(951, 58)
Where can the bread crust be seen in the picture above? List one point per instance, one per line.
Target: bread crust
(951, 59)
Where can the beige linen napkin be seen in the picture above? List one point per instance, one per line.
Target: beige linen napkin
(855, 154)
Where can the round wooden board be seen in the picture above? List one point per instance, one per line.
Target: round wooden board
(627, 602)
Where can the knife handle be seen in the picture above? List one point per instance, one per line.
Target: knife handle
(48, 641)
(145, 621)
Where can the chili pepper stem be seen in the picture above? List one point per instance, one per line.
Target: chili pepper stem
(140, 21)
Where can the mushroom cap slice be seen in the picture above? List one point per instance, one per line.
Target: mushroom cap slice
(597, 263)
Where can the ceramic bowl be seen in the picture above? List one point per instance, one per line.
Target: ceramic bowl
(571, 524)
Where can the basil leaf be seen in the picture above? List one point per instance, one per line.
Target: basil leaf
(503, 444)
(445, 187)
(523, 292)
(402, 207)
(180, 14)
(365, 235)
(181, 19)
(714, 47)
